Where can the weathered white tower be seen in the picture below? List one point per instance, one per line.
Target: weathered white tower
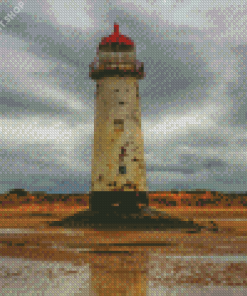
(118, 167)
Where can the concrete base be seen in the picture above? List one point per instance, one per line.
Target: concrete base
(122, 211)
(119, 201)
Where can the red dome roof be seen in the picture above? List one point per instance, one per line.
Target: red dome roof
(116, 38)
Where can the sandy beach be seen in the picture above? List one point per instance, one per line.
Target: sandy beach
(146, 260)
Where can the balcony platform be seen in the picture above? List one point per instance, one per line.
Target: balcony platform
(100, 71)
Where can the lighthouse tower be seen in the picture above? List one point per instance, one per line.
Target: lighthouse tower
(118, 166)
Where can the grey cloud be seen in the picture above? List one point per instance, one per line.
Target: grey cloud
(229, 181)
(35, 166)
(189, 164)
(19, 105)
(200, 163)
(48, 41)
(178, 80)
(9, 102)
(173, 70)
(30, 161)
(214, 163)
(197, 139)
(193, 138)
(241, 142)
(169, 168)
(237, 115)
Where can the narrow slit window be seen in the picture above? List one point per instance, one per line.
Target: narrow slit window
(122, 170)
(119, 124)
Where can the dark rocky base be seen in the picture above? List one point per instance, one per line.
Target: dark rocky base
(144, 219)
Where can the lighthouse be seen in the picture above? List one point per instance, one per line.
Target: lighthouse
(118, 165)
(119, 197)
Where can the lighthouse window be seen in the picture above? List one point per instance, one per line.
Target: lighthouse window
(118, 121)
(118, 124)
(122, 170)
(121, 103)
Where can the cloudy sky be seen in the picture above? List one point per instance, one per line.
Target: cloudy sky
(192, 98)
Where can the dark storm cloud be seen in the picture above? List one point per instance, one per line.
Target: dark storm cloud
(48, 41)
(72, 185)
(72, 78)
(165, 80)
(214, 163)
(172, 69)
(8, 102)
(19, 105)
(57, 185)
(176, 67)
(34, 167)
(189, 164)
(195, 138)
(183, 70)
(238, 92)
(174, 168)
(30, 159)
(17, 102)
(72, 56)
(242, 142)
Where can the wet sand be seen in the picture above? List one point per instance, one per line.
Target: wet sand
(232, 225)
(156, 260)
(35, 216)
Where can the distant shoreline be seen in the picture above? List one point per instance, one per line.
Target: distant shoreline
(12, 204)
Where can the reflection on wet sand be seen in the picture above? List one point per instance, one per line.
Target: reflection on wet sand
(123, 262)
(98, 272)
(124, 273)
